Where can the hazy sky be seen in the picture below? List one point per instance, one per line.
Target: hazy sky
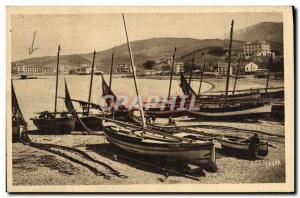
(84, 33)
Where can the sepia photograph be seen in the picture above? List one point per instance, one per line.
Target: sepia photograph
(150, 99)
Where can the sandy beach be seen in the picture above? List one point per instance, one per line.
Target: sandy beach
(91, 160)
(36, 166)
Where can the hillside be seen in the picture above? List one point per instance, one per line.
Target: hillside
(149, 49)
(268, 31)
(161, 48)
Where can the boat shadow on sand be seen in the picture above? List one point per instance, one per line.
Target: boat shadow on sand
(145, 163)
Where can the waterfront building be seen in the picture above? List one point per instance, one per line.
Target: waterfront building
(122, 68)
(83, 70)
(35, 70)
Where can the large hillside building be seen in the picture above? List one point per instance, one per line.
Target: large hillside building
(256, 48)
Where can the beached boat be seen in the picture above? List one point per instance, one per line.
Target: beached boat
(150, 142)
(93, 122)
(277, 111)
(217, 97)
(55, 122)
(237, 111)
(240, 109)
(237, 145)
(18, 121)
(238, 105)
(49, 123)
(157, 144)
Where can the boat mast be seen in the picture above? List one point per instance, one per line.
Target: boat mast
(268, 76)
(202, 74)
(192, 67)
(56, 86)
(236, 74)
(111, 67)
(172, 71)
(134, 74)
(91, 83)
(229, 59)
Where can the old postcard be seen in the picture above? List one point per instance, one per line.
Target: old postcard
(150, 99)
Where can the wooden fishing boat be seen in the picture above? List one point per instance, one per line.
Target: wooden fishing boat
(277, 111)
(277, 92)
(55, 122)
(240, 109)
(216, 97)
(151, 142)
(90, 124)
(240, 146)
(93, 122)
(49, 123)
(154, 143)
(166, 110)
(237, 111)
(238, 105)
(18, 121)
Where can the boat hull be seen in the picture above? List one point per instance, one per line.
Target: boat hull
(165, 113)
(273, 94)
(55, 125)
(92, 122)
(278, 111)
(16, 133)
(251, 112)
(206, 99)
(242, 148)
(203, 153)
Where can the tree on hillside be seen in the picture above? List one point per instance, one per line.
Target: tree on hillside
(216, 51)
(149, 64)
(166, 68)
(188, 67)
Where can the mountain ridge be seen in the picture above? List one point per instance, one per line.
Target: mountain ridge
(157, 48)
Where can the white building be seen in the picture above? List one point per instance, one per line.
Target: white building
(122, 68)
(256, 48)
(251, 67)
(83, 70)
(35, 70)
(177, 67)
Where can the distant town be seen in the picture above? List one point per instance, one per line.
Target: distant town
(253, 58)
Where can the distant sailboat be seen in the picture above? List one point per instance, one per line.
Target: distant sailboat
(50, 122)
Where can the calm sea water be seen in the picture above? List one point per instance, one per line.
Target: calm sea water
(36, 95)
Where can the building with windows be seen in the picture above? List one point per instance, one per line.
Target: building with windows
(122, 68)
(83, 70)
(223, 67)
(251, 67)
(256, 48)
(35, 70)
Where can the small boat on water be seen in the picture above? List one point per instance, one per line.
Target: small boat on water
(18, 121)
(55, 122)
(241, 146)
(25, 77)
